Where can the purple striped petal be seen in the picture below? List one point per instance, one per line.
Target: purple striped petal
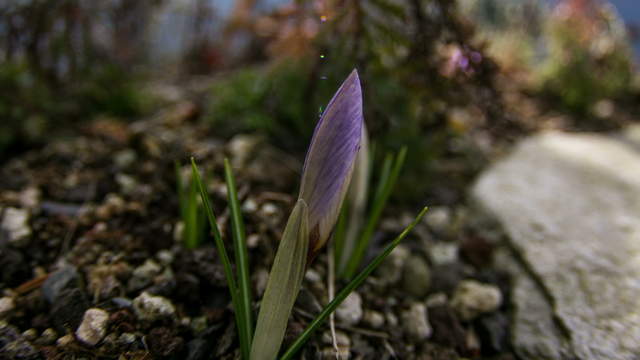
(330, 160)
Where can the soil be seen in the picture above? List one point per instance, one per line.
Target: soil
(102, 213)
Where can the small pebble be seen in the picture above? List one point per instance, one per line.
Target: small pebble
(390, 271)
(343, 342)
(373, 319)
(7, 304)
(415, 322)
(437, 299)
(47, 337)
(65, 340)
(93, 327)
(198, 324)
(127, 338)
(149, 307)
(350, 311)
(253, 240)
(64, 278)
(15, 223)
(472, 298)
(417, 276)
(143, 275)
(312, 276)
(249, 206)
(438, 218)
(441, 253)
(30, 334)
(165, 257)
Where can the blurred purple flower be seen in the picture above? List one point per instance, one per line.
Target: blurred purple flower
(330, 160)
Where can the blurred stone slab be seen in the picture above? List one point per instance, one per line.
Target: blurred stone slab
(571, 207)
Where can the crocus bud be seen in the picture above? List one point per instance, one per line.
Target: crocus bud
(330, 160)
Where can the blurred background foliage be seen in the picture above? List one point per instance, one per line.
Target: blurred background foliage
(439, 76)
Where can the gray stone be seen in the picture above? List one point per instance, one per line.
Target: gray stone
(473, 298)
(416, 323)
(143, 275)
(149, 307)
(442, 253)
(15, 223)
(390, 271)
(93, 327)
(536, 333)
(438, 218)
(416, 277)
(7, 304)
(373, 319)
(571, 207)
(350, 311)
(64, 278)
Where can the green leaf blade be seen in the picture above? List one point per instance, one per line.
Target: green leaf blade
(357, 281)
(224, 258)
(283, 285)
(240, 251)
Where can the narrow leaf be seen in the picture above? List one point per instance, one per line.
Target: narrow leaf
(241, 254)
(357, 281)
(224, 257)
(283, 285)
(388, 180)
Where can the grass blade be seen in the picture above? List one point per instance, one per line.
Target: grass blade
(357, 281)
(224, 257)
(388, 179)
(241, 254)
(283, 285)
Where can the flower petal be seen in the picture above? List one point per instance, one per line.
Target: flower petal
(330, 160)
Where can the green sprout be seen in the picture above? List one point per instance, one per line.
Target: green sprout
(327, 173)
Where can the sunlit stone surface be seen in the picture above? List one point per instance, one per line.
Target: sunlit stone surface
(571, 207)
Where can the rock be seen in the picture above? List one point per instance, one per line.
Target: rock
(143, 275)
(64, 278)
(93, 327)
(198, 324)
(373, 319)
(151, 308)
(416, 278)
(30, 334)
(350, 311)
(536, 333)
(30, 197)
(7, 304)
(68, 309)
(15, 224)
(437, 299)
(241, 148)
(441, 253)
(415, 323)
(390, 271)
(570, 205)
(65, 340)
(473, 298)
(342, 341)
(438, 218)
(47, 337)
(127, 339)
(124, 158)
(165, 257)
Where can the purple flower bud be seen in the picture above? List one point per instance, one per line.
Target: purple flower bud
(330, 160)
